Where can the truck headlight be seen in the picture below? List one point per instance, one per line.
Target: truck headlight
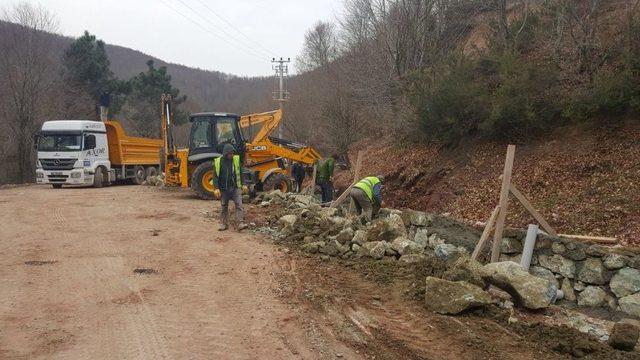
(38, 164)
(75, 175)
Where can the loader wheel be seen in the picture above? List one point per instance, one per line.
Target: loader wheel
(152, 171)
(140, 175)
(98, 178)
(202, 181)
(278, 181)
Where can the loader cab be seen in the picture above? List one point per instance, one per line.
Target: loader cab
(210, 131)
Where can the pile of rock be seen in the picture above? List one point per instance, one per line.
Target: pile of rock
(157, 180)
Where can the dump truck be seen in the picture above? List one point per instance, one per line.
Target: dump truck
(265, 158)
(93, 153)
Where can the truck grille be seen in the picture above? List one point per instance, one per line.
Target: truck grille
(57, 164)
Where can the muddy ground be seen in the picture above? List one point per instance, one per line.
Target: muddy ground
(135, 272)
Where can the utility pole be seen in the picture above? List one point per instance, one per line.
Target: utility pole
(282, 95)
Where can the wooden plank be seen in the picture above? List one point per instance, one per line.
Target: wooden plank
(504, 200)
(486, 233)
(598, 239)
(342, 197)
(356, 174)
(536, 215)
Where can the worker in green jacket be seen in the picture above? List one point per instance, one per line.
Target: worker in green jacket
(227, 177)
(367, 196)
(324, 178)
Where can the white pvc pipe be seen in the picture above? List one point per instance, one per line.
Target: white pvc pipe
(529, 243)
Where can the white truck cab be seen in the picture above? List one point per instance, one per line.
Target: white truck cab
(70, 151)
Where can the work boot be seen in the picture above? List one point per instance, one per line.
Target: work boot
(242, 226)
(223, 227)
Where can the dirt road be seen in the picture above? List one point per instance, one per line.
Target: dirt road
(132, 272)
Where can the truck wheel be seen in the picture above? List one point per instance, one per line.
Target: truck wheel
(98, 178)
(202, 181)
(152, 171)
(140, 175)
(57, 186)
(278, 181)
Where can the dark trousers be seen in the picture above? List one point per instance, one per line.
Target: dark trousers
(234, 195)
(299, 182)
(365, 207)
(326, 187)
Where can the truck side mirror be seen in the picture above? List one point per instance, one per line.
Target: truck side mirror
(35, 138)
(89, 142)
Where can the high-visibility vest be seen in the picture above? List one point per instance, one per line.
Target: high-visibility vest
(367, 185)
(236, 167)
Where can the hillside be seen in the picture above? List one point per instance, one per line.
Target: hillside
(583, 180)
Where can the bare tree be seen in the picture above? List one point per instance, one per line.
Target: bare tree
(583, 21)
(320, 47)
(26, 61)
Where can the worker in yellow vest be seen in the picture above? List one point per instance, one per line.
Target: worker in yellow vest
(228, 179)
(367, 196)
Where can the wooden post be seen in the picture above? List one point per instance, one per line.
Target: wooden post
(536, 215)
(309, 189)
(504, 200)
(356, 174)
(486, 233)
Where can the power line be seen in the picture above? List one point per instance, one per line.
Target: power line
(214, 25)
(248, 51)
(234, 26)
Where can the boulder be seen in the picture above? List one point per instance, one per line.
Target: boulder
(532, 292)
(359, 237)
(510, 246)
(558, 264)
(625, 282)
(630, 304)
(434, 240)
(558, 248)
(592, 272)
(592, 296)
(465, 269)
(447, 252)
(374, 249)
(453, 297)
(575, 254)
(614, 261)
(625, 334)
(543, 273)
(303, 201)
(313, 247)
(596, 250)
(345, 235)
(387, 229)
(333, 248)
(421, 237)
(286, 224)
(403, 246)
(567, 289)
(419, 218)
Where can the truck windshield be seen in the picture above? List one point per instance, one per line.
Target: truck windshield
(60, 142)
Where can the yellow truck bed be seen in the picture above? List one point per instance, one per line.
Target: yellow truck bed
(129, 150)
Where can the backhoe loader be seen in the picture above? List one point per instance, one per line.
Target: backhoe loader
(265, 158)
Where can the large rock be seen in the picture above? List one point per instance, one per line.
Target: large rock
(625, 334)
(465, 269)
(360, 237)
(387, 229)
(313, 247)
(303, 201)
(592, 272)
(630, 304)
(412, 258)
(345, 235)
(419, 218)
(453, 297)
(558, 264)
(421, 237)
(374, 249)
(614, 261)
(625, 282)
(531, 291)
(510, 246)
(592, 296)
(333, 248)
(447, 252)
(286, 223)
(403, 246)
(543, 273)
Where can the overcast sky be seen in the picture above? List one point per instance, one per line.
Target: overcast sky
(234, 36)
